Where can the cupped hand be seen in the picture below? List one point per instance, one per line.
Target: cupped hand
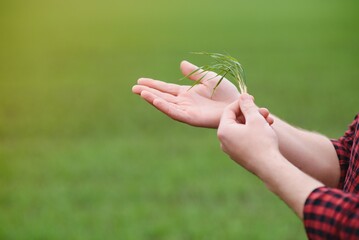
(196, 106)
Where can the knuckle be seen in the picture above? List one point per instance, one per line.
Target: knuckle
(220, 134)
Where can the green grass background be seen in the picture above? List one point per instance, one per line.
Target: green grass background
(81, 157)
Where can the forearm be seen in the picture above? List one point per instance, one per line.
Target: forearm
(287, 182)
(311, 152)
(327, 213)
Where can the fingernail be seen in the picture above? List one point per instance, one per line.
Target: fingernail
(187, 62)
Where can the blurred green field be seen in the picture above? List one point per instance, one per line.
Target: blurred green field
(81, 157)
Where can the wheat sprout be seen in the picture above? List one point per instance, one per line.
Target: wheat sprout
(223, 66)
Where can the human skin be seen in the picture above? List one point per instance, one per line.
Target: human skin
(254, 145)
(197, 106)
(310, 152)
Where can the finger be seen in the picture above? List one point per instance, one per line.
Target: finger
(230, 114)
(171, 110)
(187, 68)
(264, 112)
(249, 109)
(169, 88)
(270, 120)
(241, 119)
(137, 89)
(148, 96)
(168, 97)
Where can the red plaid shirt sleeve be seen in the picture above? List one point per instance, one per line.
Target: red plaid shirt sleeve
(343, 147)
(331, 213)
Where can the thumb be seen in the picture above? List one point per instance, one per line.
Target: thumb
(248, 108)
(195, 73)
(230, 113)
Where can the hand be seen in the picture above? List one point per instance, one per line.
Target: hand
(249, 142)
(254, 145)
(196, 106)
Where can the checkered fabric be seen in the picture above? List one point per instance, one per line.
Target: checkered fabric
(331, 213)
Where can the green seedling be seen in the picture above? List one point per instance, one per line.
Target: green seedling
(224, 66)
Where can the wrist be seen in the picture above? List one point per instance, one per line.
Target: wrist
(288, 182)
(274, 161)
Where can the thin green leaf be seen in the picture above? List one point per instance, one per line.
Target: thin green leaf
(224, 65)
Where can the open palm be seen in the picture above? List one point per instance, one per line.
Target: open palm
(196, 106)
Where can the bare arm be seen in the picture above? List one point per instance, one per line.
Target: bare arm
(311, 152)
(288, 182)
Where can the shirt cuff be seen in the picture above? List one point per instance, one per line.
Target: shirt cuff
(318, 214)
(330, 213)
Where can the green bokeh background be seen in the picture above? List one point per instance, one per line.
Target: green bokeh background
(81, 157)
